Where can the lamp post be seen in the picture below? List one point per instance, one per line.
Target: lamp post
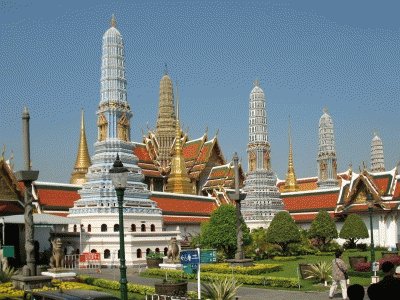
(370, 210)
(119, 177)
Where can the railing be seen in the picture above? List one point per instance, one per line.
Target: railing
(71, 261)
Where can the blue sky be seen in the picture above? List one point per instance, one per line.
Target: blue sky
(343, 55)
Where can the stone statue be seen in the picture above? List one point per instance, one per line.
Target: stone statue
(173, 249)
(57, 258)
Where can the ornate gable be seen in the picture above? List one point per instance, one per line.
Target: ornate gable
(11, 195)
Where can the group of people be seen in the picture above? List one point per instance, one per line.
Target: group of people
(387, 288)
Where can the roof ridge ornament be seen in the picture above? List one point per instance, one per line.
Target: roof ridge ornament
(256, 83)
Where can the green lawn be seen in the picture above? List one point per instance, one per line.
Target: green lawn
(290, 268)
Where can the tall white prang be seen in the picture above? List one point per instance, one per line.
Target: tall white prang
(262, 201)
(98, 206)
(327, 167)
(377, 157)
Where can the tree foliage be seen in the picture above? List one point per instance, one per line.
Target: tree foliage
(220, 231)
(283, 231)
(323, 229)
(353, 229)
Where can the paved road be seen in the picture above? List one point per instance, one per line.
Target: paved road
(244, 293)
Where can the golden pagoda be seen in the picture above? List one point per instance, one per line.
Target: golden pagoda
(178, 180)
(166, 123)
(291, 181)
(83, 162)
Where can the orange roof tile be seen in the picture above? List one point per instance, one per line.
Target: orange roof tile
(57, 196)
(310, 201)
(184, 220)
(184, 204)
(141, 152)
(10, 208)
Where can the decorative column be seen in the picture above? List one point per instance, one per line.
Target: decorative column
(27, 176)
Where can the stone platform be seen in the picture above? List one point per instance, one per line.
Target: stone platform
(59, 275)
(22, 282)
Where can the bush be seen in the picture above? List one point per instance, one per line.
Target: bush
(363, 266)
(395, 259)
(156, 255)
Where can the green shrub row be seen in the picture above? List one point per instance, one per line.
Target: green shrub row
(257, 269)
(114, 285)
(286, 258)
(241, 278)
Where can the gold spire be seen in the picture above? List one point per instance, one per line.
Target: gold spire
(82, 159)
(178, 179)
(113, 21)
(291, 181)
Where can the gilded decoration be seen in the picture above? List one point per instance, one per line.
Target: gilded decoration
(123, 128)
(252, 161)
(267, 161)
(322, 166)
(102, 125)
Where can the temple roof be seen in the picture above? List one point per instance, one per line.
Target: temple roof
(11, 191)
(56, 198)
(196, 153)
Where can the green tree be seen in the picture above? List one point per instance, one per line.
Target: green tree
(283, 231)
(323, 229)
(220, 231)
(258, 244)
(353, 229)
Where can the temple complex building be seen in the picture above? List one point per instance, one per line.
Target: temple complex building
(262, 200)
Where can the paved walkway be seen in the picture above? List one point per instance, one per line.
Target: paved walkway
(244, 293)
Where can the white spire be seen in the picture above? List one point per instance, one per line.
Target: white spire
(327, 168)
(377, 157)
(113, 82)
(257, 115)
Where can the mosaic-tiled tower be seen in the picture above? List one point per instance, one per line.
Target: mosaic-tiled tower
(327, 168)
(166, 123)
(98, 207)
(262, 201)
(377, 158)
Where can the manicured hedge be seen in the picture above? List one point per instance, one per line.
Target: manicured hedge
(257, 269)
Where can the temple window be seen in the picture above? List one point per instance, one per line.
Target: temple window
(89, 228)
(103, 227)
(152, 227)
(116, 227)
(139, 253)
(143, 228)
(107, 254)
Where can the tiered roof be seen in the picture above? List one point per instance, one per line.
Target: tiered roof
(11, 191)
(197, 154)
(349, 197)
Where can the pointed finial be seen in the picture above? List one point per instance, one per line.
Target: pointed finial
(325, 110)
(165, 69)
(113, 21)
(216, 134)
(11, 160)
(82, 119)
(3, 152)
(177, 101)
(256, 82)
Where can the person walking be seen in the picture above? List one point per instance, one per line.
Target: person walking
(339, 275)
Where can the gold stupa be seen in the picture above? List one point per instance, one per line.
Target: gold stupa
(83, 162)
(178, 180)
(291, 181)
